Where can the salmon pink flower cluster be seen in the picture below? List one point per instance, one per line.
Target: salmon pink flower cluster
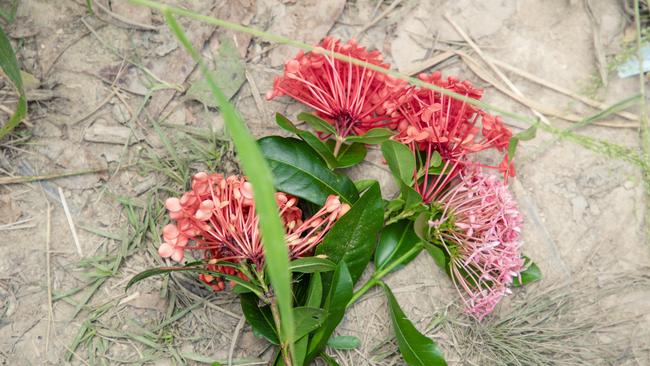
(217, 218)
(484, 243)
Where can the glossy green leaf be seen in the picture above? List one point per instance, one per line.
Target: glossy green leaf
(311, 265)
(299, 171)
(314, 299)
(410, 196)
(530, 274)
(215, 364)
(352, 239)
(255, 168)
(307, 320)
(438, 255)
(260, 318)
(351, 155)
(344, 342)
(335, 303)
(364, 184)
(415, 347)
(400, 161)
(9, 66)
(319, 147)
(285, 123)
(395, 241)
(374, 136)
(317, 123)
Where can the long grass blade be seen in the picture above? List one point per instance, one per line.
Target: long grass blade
(9, 65)
(259, 174)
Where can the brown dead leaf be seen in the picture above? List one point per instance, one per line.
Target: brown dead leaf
(308, 21)
(10, 211)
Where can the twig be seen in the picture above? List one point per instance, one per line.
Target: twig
(433, 61)
(560, 89)
(496, 70)
(601, 61)
(235, 336)
(36, 178)
(50, 312)
(124, 20)
(383, 14)
(259, 103)
(68, 216)
(94, 110)
(483, 74)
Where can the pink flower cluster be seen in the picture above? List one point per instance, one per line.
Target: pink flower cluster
(484, 245)
(218, 218)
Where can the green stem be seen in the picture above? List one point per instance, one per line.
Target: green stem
(378, 275)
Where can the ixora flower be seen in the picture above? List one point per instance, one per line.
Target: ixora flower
(482, 240)
(350, 97)
(430, 122)
(218, 217)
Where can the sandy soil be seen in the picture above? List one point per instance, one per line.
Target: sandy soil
(584, 210)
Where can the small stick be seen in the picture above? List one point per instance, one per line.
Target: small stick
(496, 70)
(233, 341)
(50, 312)
(390, 8)
(431, 62)
(560, 89)
(68, 216)
(36, 178)
(124, 20)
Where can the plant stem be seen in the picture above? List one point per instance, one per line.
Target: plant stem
(284, 347)
(337, 147)
(378, 275)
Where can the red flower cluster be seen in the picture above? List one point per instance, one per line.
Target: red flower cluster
(431, 122)
(350, 97)
(218, 217)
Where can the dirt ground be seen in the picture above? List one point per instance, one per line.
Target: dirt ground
(584, 209)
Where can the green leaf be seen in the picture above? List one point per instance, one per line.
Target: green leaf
(314, 299)
(215, 364)
(524, 135)
(250, 286)
(329, 361)
(255, 168)
(530, 274)
(352, 239)
(311, 265)
(350, 154)
(317, 123)
(260, 318)
(307, 320)
(374, 136)
(395, 241)
(229, 73)
(10, 14)
(437, 254)
(364, 184)
(410, 196)
(416, 348)
(344, 342)
(285, 123)
(335, 303)
(302, 173)
(9, 66)
(319, 147)
(400, 161)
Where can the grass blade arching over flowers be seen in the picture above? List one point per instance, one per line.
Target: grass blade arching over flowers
(259, 174)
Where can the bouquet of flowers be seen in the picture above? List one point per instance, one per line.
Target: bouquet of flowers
(451, 204)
